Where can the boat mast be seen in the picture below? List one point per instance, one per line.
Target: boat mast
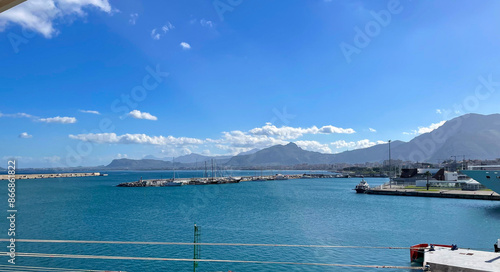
(173, 168)
(205, 175)
(212, 169)
(390, 166)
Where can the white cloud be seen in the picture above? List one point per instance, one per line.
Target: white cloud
(372, 130)
(438, 111)
(133, 18)
(175, 152)
(121, 156)
(142, 115)
(422, 130)
(206, 23)
(232, 142)
(25, 135)
(40, 15)
(90, 111)
(314, 146)
(58, 119)
(241, 139)
(355, 145)
(233, 150)
(185, 45)
(288, 133)
(238, 141)
(112, 138)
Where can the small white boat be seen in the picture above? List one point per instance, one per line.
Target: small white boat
(280, 177)
(362, 187)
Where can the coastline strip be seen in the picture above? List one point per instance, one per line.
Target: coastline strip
(54, 175)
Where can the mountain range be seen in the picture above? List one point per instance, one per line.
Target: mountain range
(474, 136)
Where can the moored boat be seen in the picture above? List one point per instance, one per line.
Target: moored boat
(417, 252)
(362, 187)
(280, 177)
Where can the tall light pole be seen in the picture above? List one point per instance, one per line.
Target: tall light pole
(390, 166)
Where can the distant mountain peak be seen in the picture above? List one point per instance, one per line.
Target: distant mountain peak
(292, 144)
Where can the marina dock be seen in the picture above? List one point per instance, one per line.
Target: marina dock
(56, 175)
(484, 195)
(443, 259)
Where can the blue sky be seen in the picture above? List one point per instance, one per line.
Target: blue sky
(328, 75)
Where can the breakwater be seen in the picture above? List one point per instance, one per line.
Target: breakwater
(216, 180)
(58, 175)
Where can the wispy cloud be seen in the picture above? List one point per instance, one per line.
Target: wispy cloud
(40, 15)
(90, 111)
(185, 45)
(372, 130)
(355, 145)
(25, 135)
(207, 23)
(18, 115)
(58, 119)
(112, 138)
(142, 115)
(422, 130)
(133, 18)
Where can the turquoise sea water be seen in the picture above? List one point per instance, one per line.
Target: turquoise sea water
(308, 211)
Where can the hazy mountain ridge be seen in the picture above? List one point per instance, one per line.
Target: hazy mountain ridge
(198, 158)
(474, 136)
(139, 164)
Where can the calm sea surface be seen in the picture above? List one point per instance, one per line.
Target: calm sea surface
(307, 211)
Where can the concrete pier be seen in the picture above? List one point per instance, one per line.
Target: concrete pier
(443, 259)
(484, 195)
